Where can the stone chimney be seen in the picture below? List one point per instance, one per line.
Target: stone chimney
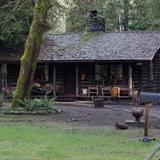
(95, 22)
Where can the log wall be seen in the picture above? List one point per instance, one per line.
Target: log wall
(12, 74)
(141, 75)
(145, 74)
(60, 78)
(156, 72)
(146, 77)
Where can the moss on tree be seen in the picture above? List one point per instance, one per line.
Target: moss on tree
(31, 52)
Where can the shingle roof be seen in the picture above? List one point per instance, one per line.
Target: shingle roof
(99, 46)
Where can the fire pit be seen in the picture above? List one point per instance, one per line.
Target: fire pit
(137, 113)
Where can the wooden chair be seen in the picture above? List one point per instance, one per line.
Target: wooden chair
(93, 91)
(106, 91)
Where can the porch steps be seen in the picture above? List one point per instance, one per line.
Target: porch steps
(65, 99)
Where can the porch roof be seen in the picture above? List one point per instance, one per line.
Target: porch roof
(115, 46)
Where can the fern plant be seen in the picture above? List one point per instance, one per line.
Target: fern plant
(38, 104)
(47, 104)
(28, 104)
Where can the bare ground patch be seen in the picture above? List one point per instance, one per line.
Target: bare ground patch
(84, 115)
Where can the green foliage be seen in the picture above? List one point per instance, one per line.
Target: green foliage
(140, 18)
(16, 17)
(44, 103)
(76, 17)
(56, 16)
(112, 10)
(15, 20)
(155, 14)
(140, 14)
(47, 104)
(28, 104)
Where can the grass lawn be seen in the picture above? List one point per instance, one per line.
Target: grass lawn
(60, 142)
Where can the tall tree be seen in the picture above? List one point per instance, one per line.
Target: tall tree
(155, 14)
(31, 51)
(113, 13)
(110, 9)
(140, 18)
(14, 23)
(126, 15)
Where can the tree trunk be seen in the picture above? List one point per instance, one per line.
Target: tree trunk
(126, 15)
(31, 52)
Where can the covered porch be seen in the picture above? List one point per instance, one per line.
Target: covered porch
(86, 80)
(90, 79)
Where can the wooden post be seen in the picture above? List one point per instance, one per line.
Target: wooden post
(54, 79)
(130, 80)
(146, 118)
(77, 80)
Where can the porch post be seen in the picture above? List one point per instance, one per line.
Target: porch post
(130, 80)
(77, 80)
(54, 79)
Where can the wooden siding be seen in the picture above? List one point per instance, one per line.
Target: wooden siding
(50, 72)
(141, 75)
(142, 79)
(60, 77)
(145, 74)
(12, 74)
(137, 76)
(156, 72)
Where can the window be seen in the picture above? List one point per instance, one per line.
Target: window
(101, 73)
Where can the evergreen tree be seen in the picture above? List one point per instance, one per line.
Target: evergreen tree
(14, 23)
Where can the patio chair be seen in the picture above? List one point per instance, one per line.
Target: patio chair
(106, 91)
(93, 91)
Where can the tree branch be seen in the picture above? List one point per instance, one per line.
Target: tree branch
(8, 4)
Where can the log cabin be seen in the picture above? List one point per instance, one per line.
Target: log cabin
(84, 65)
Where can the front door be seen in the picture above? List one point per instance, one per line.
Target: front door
(69, 79)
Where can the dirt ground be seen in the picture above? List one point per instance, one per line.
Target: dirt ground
(85, 115)
(88, 115)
